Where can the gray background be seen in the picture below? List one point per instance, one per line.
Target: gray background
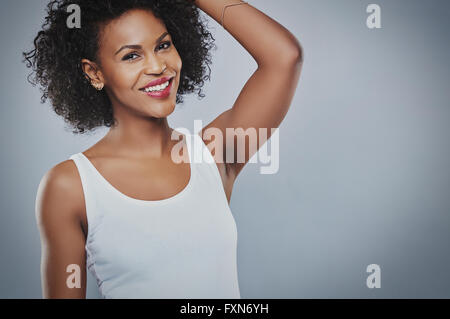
(364, 167)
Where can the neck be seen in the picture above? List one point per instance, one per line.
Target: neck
(141, 137)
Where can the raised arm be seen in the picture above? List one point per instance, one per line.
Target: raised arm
(62, 237)
(266, 97)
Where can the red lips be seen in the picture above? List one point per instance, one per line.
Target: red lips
(156, 82)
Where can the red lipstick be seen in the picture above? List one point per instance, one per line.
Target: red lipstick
(159, 93)
(156, 82)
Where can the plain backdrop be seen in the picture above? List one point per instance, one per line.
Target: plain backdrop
(364, 154)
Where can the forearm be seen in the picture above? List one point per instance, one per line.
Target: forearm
(267, 41)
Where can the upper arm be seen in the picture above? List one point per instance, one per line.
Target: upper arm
(261, 105)
(58, 207)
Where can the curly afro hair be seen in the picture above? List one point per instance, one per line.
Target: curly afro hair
(55, 60)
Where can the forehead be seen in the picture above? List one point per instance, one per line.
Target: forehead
(136, 26)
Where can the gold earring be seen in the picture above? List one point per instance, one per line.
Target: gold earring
(98, 86)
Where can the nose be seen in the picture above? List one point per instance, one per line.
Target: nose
(154, 65)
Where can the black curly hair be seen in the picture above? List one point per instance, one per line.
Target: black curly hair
(56, 58)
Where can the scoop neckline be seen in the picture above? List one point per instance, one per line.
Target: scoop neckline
(133, 200)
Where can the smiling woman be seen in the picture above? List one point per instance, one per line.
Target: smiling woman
(133, 48)
(59, 51)
(145, 225)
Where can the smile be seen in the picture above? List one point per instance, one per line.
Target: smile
(157, 87)
(160, 91)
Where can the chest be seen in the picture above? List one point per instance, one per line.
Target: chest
(147, 181)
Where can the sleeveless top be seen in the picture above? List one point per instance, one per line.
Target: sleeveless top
(180, 247)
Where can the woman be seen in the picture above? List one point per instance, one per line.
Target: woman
(144, 225)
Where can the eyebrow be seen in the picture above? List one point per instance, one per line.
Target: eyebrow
(137, 46)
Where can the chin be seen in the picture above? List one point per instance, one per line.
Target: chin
(162, 110)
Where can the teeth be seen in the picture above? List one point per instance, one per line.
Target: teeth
(157, 87)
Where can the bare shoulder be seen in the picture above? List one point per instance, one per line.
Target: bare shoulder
(58, 207)
(60, 193)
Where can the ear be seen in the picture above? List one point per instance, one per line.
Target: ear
(91, 71)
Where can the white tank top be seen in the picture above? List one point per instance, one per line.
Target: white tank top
(180, 247)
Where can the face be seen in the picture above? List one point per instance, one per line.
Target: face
(135, 50)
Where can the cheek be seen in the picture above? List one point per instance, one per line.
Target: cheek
(176, 60)
(124, 77)
(118, 75)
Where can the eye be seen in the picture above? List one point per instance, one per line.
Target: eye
(129, 56)
(165, 45)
